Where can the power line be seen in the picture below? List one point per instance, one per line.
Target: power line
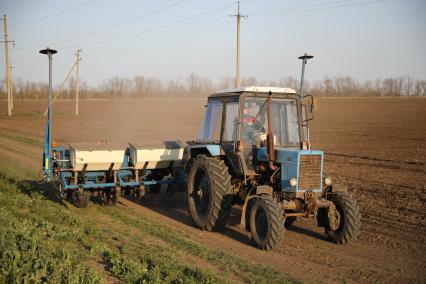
(54, 14)
(325, 6)
(123, 23)
(101, 42)
(303, 7)
(180, 40)
(101, 48)
(194, 35)
(152, 29)
(151, 40)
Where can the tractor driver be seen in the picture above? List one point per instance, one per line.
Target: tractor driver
(253, 125)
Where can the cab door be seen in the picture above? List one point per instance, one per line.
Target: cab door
(229, 133)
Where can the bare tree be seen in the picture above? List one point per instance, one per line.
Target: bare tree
(139, 86)
(196, 86)
(420, 87)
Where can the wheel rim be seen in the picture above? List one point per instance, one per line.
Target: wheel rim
(201, 192)
(61, 190)
(336, 222)
(261, 223)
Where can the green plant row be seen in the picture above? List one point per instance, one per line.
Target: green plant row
(227, 264)
(42, 241)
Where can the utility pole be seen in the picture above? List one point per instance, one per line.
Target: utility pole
(238, 16)
(11, 88)
(77, 79)
(8, 81)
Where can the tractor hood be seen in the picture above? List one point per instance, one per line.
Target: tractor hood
(303, 165)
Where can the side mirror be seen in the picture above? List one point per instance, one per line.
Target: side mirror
(310, 104)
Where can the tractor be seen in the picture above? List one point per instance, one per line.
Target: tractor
(254, 149)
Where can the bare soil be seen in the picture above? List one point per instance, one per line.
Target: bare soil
(374, 146)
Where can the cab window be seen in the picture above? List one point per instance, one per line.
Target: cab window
(231, 121)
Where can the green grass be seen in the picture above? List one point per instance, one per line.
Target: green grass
(244, 270)
(39, 244)
(9, 166)
(21, 138)
(42, 241)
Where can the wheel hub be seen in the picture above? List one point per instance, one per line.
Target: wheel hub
(202, 193)
(334, 219)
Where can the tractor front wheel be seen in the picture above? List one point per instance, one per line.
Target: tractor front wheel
(347, 219)
(209, 192)
(266, 222)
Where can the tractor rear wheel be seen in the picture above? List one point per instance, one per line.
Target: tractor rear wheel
(347, 219)
(209, 192)
(266, 222)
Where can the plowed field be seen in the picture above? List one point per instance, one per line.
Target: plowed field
(376, 147)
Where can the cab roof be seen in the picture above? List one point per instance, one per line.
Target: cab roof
(253, 89)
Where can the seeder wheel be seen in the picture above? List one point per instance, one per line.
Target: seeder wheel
(61, 190)
(81, 198)
(139, 193)
(111, 197)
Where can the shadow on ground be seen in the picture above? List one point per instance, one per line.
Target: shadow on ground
(295, 228)
(173, 207)
(51, 192)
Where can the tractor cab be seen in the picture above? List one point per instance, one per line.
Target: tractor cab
(239, 121)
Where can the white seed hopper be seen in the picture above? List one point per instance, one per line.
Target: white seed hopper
(96, 157)
(156, 155)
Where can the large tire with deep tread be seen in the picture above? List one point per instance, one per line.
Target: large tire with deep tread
(266, 222)
(209, 192)
(350, 218)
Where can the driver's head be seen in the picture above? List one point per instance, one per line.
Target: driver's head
(251, 108)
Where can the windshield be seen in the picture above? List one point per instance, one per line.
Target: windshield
(285, 125)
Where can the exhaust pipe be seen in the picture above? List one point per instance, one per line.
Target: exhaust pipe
(270, 136)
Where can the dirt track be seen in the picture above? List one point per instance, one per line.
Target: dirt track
(374, 146)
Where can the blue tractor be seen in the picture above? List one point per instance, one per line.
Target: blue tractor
(254, 150)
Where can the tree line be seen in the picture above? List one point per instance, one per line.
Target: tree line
(195, 86)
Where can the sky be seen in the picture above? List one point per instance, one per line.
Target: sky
(169, 39)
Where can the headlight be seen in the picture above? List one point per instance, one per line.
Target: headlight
(328, 181)
(293, 182)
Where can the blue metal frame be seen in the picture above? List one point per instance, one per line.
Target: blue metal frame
(123, 176)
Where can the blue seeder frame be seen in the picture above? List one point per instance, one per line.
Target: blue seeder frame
(96, 180)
